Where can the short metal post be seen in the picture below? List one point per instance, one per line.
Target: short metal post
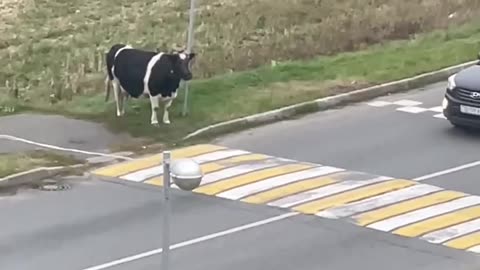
(191, 23)
(166, 210)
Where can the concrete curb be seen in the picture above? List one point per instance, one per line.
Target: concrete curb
(33, 175)
(332, 101)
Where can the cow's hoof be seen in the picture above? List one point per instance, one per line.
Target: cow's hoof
(166, 122)
(155, 125)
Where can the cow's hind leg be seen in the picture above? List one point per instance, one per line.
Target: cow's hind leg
(167, 104)
(154, 104)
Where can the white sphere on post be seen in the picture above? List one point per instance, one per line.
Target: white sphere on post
(186, 174)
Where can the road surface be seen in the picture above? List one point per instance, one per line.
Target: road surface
(98, 222)
(400, 140)
(58, 131)
(226, 223)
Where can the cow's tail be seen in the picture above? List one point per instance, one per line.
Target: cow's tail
(107, 87)
(110, 58)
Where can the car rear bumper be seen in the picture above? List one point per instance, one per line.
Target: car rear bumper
(451, 110)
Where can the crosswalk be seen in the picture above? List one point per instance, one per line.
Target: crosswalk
(409, 106)
(399, 206)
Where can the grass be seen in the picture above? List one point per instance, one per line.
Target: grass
(15, 163)
(230, 96)
(271, 54)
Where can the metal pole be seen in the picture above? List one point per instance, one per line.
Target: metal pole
(191, 23)
(166, 210)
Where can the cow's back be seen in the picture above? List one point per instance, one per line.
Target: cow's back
(130, 69)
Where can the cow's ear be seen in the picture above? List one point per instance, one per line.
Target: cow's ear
(191, 56)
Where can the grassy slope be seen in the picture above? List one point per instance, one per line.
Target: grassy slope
(231, 96)
(295, 29)
(14, 163)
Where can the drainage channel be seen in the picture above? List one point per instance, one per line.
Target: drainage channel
(48, 185)
(52, 185)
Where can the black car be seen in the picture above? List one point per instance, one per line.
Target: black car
(461, 104)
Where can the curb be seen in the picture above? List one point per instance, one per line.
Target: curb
(332, 101)
(34, 175)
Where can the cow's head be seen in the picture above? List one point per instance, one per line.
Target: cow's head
(181, 62)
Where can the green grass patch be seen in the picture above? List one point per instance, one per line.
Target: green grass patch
(15, 163)
(52, 52)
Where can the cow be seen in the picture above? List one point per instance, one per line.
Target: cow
(136, 73)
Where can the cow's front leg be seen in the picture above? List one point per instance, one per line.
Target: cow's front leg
(117, 94)
(154, 103)
(121, 102)
(124, 97)
(168, 103)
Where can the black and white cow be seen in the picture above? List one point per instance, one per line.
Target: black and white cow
(135, 73)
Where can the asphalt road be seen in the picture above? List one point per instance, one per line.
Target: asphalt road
(306, 243)
(376, 139)
(98, 222)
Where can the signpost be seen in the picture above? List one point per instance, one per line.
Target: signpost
(187, 175)
(191, 23)
(166, 210)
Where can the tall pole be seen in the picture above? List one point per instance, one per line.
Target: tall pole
(166, 210)
(191, 23)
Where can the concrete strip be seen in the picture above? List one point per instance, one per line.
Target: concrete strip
(55, 147)
(104, 159)
(33, 175)
(332, 101)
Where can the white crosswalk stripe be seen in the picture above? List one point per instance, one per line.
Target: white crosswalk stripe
(401, 220)
(378, 201)
(452, 232)
(409, 106)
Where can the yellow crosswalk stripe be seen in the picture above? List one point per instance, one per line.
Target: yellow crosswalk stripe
(290, 189)
(439, 222)
(367, 218)
(464, 242)
(242, 158)
(226, 184)
(123, 168)
(353, 195)
(217, 165)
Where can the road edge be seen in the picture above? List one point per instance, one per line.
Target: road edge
(330, 102)
(34, 175)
